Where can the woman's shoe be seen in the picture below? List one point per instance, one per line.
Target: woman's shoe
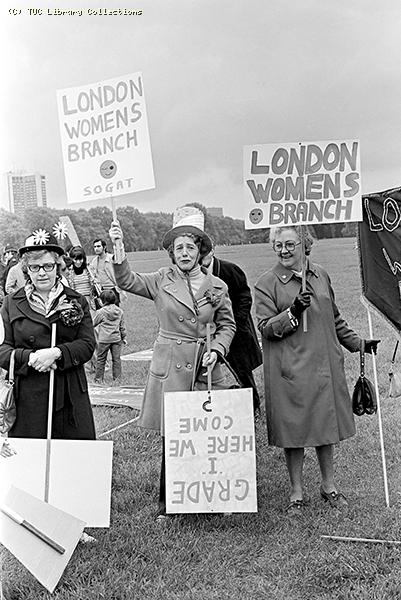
(295, 507)
(335, 499)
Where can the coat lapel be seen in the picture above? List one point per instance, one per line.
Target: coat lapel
(177, 287)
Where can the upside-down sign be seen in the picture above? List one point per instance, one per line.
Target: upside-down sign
(302, 183)
(105, 139)
(210, 454)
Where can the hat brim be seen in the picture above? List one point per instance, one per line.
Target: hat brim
(173, 233)
(49, 247)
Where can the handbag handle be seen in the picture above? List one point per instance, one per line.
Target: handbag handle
(362, 358)
(229, 367)
(11, 368)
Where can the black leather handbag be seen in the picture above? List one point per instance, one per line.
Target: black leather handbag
(363, 397)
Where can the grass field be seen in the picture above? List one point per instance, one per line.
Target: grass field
(260, 556)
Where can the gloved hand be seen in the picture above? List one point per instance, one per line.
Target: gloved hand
(371, 346)
(300, 303)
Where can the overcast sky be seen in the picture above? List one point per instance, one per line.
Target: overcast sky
(218, 75)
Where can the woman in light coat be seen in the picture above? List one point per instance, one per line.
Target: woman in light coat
(306, 395)
(186, 298)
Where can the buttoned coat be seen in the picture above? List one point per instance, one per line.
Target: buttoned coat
(26, 331)
(180, 342)
(245, 353)
(306, 394)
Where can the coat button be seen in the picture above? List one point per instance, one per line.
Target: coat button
(31, 338)
(180, 318)
(179, 342)
(193, 320)
(178, 366)
(189, 366)
(75, 361)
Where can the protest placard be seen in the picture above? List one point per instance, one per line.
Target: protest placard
(302, 183)
(210, 455)
(80, 475)
(105, 139)
(39, 557)
(379, 237)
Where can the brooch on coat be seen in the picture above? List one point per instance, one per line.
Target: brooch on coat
(211, 298)
(70, 313)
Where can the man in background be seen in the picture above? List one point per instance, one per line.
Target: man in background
(245, 353)
(101, 268)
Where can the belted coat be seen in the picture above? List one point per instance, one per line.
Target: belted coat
(179, 346)
(306, 394)
(26, 331)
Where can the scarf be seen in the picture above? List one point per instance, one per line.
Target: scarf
(45, 307)
(194, 280)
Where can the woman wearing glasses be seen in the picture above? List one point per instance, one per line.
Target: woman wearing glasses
(27, 317)
(306, 395)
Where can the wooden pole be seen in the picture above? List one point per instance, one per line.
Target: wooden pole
(383, 455)
(49, 419)
(118, 246)
(340, 538)
(209, 369)
(304, 262)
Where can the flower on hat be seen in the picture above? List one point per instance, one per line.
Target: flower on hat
(40, 236)
(60, 230)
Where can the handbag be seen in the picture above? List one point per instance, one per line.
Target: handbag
(8, 411)
(395, 378)
(363, 396)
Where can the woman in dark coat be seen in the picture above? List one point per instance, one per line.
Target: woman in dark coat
(27, 316)
(186, 299)
(307, 400)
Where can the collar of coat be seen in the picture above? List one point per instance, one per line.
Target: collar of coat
(19, 307)
(285, 275)
(176, 286)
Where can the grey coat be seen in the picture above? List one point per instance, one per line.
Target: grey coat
(180, 342)
(306, 394)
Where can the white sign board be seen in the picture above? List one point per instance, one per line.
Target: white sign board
(39, 558)
(80, 475)
(210, 456)
(105, 139)
(302, 183)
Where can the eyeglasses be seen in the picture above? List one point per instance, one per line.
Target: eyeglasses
(77, 257)
(290, 246)
(46, 267)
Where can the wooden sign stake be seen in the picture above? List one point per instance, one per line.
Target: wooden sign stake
(49, 419)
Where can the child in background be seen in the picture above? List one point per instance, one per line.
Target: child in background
(111, 335)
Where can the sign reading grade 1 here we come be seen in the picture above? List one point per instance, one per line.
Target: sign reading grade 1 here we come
(105, 139)
(302, 183)
(210, 456)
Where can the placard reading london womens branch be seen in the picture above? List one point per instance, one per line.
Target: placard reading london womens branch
(210, 454)
(105, 139)
(302, 183)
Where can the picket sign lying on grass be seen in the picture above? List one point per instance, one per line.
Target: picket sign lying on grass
(80, 475)
(210, 451)
(116, 396)
(44, 562)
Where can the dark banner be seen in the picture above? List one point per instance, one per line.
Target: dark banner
(380, 253)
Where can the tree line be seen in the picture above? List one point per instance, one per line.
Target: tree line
(142, 231)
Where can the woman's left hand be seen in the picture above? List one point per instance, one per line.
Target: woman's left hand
(44, 360)
(209, 359)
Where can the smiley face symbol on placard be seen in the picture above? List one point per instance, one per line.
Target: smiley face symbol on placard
(256, 215)
(108, 169)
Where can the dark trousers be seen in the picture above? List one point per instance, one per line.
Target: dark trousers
(102, 351)
(162, 487)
